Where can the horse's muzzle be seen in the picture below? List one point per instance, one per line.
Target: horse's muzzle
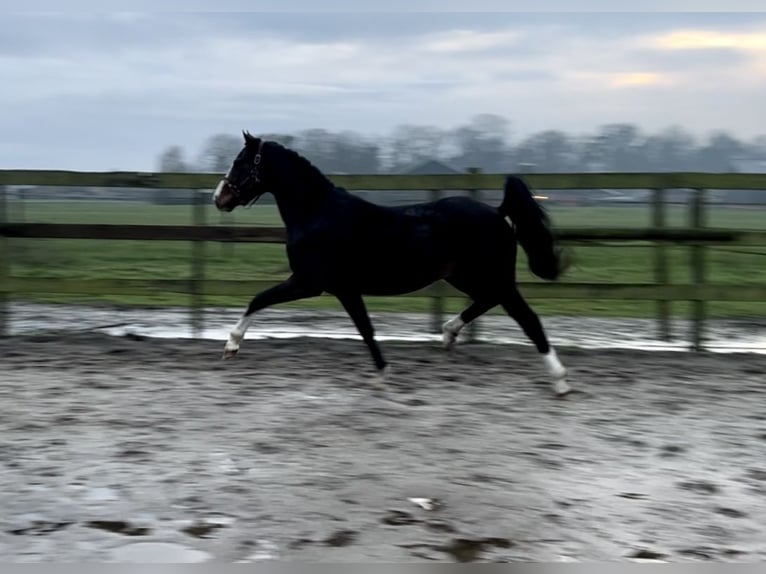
(223, 197)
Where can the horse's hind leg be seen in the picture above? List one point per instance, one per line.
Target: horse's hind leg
(515, 305)
(451, 329)
(483, 301)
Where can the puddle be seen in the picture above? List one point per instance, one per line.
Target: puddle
(201, 530)
(399, 518)
(341, 538)
(469, 550)
(648, 556)
(724, 336)
(40, 528)
(101, 494)
(266, 551)
(207, 527)
(155, 552)
(118, 527)
(458, 549)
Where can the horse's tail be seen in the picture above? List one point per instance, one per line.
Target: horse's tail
(533, 230)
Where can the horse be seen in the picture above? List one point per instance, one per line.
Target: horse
(343, 245)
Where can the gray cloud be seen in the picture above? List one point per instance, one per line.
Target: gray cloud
(117, 89)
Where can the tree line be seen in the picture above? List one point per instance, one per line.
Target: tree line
(486, 143)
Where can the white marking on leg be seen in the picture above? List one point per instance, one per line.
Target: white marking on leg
(557, 372)
(451, 329)
(553, 364)
(238, 333)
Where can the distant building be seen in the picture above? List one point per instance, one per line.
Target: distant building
(754, 165)
(430, 167)
(745, 165)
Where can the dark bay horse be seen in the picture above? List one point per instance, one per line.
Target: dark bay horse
(340, 244)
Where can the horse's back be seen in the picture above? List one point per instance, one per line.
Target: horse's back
(456, 229)
(455, 206)
(397, 249)
(451, 224)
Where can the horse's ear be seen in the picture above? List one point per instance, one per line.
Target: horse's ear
(248, 137)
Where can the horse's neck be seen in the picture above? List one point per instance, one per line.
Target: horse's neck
(302, 202)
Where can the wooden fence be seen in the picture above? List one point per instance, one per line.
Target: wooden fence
(696, 235)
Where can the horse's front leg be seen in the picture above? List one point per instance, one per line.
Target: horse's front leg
(292, 289)
(355, 307)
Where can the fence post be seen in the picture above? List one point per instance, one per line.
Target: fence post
(661, 264)
(697, 217)
(198, 267)
(473, 327)
(5, 265)
(437, 299)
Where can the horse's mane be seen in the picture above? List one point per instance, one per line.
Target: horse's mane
(307, 170)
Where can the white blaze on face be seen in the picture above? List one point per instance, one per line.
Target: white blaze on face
(218, 190)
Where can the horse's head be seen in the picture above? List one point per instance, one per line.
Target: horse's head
(242, 185)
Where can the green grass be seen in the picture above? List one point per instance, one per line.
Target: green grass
(125, 212)
(83, 259)
(640, 216)
(134, 213)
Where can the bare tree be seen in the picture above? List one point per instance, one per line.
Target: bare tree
(218, 152)
(410, 144)
(172, 160)
(483, 143)
(548, 151)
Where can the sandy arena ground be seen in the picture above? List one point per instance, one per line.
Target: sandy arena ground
(131, 449)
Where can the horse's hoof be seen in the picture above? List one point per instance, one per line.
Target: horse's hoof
(450, 331)
(561, 388)
(449, 338)
(380, 377)
(229, 353)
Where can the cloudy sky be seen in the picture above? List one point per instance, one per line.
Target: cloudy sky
(95, 91)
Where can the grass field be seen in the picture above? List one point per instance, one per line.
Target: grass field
(116, 212)
(81, 259)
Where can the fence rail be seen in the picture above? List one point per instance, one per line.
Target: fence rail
(277, 234)
(696, 236)
(402, 182)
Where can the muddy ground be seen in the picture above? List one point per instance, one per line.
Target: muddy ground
(131, 449)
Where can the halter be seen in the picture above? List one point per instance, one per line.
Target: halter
(253, 175)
